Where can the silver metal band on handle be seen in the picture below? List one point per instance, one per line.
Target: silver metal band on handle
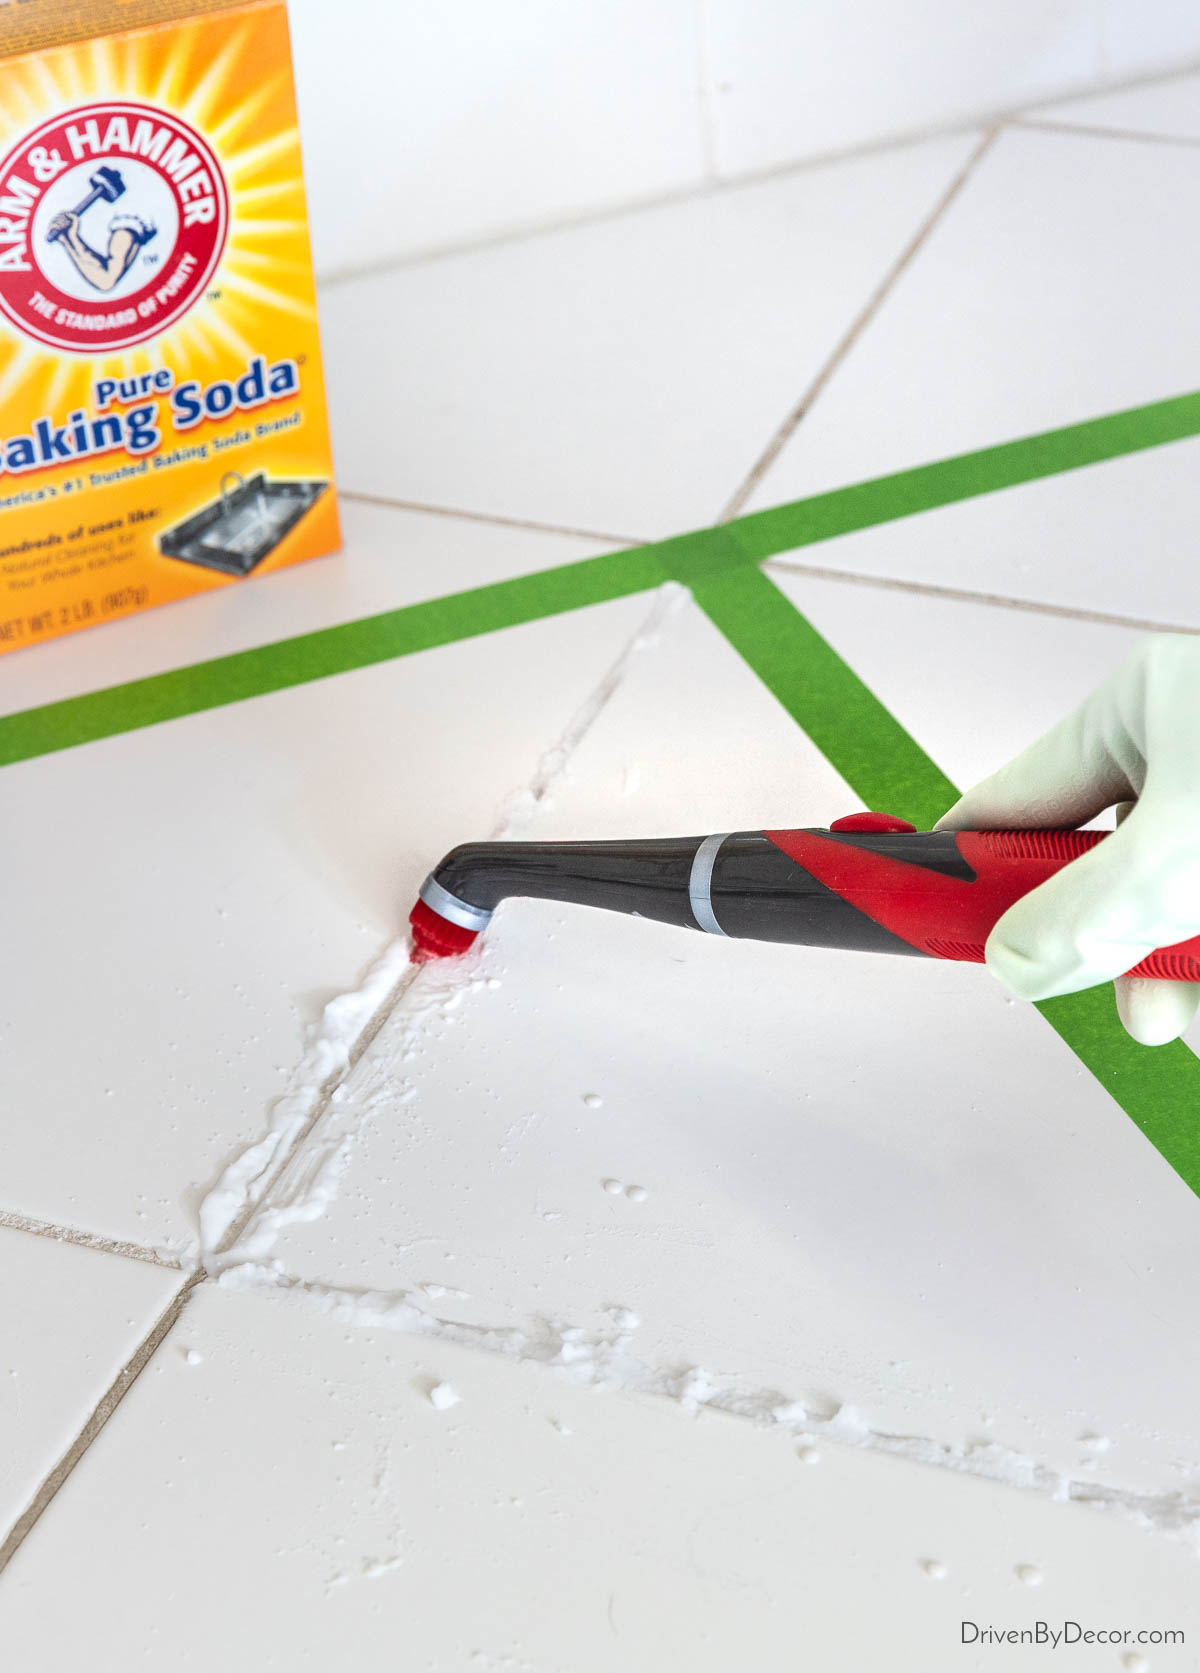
(700, 883)
(448, 906)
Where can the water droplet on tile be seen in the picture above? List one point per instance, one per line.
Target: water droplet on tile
(1133, 1663)
(592, 1100)
(191, 1357)
(613, 1187)
(934, 1569)
(442, 1397)
(1028, 1574)
(637, 1193)
(808, 1455)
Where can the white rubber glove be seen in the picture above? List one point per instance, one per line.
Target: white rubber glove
(1134, 741)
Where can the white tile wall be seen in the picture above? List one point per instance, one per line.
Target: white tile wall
(792, 80)
(1165, 109)
(1146, 35)
(428, 125)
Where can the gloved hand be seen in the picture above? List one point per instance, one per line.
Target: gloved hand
(1134, 742)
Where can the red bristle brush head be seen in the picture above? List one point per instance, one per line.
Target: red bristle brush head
(435, 936)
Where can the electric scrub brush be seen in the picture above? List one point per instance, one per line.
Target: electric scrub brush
(870, 882)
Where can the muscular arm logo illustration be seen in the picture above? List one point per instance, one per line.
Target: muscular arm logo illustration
(126, 236)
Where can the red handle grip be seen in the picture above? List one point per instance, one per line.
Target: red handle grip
(951, 917)
(1016, 854)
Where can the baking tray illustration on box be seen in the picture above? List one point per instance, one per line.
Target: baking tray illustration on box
(243, 525)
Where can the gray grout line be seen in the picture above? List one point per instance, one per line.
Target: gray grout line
(669, 199)
(88, 1240)
(101, 1412)
(493, 518)
(562, 749)
(1126, 84)
(874, 302)
(1092, 132)
(753, 177)
(142, 1355)
(321, 1103)
(963, 595)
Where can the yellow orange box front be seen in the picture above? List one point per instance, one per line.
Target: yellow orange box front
(162, 410)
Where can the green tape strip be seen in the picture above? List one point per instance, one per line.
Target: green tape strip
(331, 650)
(846, 721)
(763, 534)
(1158, 1089)
(690, 558)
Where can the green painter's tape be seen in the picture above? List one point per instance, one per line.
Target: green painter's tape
(693, 559)
(763, 534)
(1159, 1088)
(848, 724)
(331, 650)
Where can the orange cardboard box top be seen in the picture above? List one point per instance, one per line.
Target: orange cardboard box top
(31, 25)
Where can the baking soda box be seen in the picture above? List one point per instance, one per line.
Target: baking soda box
(162, 412)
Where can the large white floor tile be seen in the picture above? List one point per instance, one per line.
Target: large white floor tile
(866, 1183)
(1167, 109)
(295, 1492)
(973, 683)
(428, 126)
(1057, 288)
(793, 81)
(69, 1320)
(620, 377)
(1117, 538)
(390, 557)
(180, 902)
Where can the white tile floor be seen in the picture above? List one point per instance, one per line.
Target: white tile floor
(1123, 531)
(255, 860)
(620, 377)
(1055, 289)
(532, 1526)
(886, 1212)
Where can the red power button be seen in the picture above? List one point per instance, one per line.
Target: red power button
(871, 822)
